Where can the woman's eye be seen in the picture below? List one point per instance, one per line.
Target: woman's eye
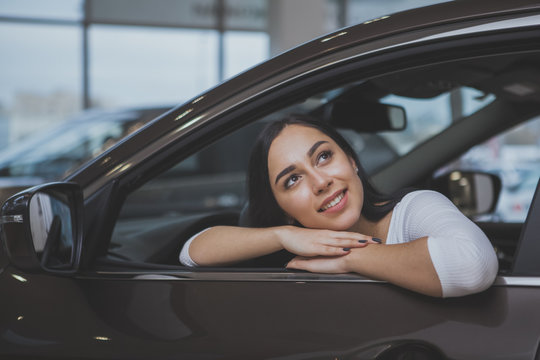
(291, 181)
(324, 156)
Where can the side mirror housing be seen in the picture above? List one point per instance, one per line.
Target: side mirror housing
(41, 228)
(473, 192)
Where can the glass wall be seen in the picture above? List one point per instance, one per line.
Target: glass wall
(61, 56)
(135, 66)
(40, 69)
(243, 50)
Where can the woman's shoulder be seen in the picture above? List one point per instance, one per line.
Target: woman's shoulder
(423, 196)
(421, 203)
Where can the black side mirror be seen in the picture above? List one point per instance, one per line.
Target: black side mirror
(473, 192)
(41, 228)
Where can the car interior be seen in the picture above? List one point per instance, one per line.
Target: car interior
(410, 129)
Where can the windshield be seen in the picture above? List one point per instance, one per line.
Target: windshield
(428, 117)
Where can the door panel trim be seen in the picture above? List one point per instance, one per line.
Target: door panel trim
(276, 276)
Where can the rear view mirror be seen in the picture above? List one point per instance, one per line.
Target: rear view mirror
(42, 228)
(474, 193)
(365, 116)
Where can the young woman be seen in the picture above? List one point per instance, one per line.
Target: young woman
(309, 197)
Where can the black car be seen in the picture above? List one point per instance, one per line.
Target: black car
(89, 266)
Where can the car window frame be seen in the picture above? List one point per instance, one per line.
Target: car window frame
(315, 81)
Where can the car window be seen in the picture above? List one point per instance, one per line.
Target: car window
(209, 187)
(514, 156)
(445, 118)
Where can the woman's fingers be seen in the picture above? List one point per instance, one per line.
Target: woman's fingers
(354, 235)
(355, 241)
(334, 251)
(313, 242)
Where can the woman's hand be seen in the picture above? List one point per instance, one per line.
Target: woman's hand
(316, 242)
(320, 264)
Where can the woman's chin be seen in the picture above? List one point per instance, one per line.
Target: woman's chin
(343, 223)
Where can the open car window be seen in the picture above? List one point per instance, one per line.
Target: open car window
(209, 187)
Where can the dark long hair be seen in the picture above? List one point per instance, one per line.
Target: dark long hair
(264, 211)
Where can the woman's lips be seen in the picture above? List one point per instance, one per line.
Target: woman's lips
(335, 203)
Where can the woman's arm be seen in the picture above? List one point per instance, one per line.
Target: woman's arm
(437, 251)
(226, 245)
(407, 265)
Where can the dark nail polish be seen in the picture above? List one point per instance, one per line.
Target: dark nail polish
(346, 249)
(377, 240)
(362, 241)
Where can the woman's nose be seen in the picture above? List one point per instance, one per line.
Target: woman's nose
(321, 182)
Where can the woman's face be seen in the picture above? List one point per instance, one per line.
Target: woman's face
(313, 180)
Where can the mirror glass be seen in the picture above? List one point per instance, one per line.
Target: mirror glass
(474, 193)
(51, 224)
(397, 117)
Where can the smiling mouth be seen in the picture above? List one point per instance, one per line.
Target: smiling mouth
(333, 202)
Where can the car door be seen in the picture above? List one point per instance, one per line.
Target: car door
(258, 312)
(128, 301)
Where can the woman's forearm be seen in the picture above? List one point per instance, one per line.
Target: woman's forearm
(407, 265)
(226, 245)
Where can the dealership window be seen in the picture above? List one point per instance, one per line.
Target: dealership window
(139, 66)
(141, 55)
(243, 50)
(45, 85)
(366, 10)
(61, 56)
(50, 9)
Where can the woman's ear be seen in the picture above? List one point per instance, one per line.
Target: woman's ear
(353, 164)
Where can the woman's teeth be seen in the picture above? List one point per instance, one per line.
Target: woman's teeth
(334, 202)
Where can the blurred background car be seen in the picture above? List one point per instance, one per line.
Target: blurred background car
(54, 154)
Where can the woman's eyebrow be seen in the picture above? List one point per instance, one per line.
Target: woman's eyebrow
(314, 147)
(310, 153)
(285, 171)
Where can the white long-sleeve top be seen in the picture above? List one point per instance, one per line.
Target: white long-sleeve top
(461, 253)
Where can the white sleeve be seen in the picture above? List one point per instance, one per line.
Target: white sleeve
(461, 253)
(185, 259)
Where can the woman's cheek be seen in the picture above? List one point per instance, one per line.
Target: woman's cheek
(295, 202)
